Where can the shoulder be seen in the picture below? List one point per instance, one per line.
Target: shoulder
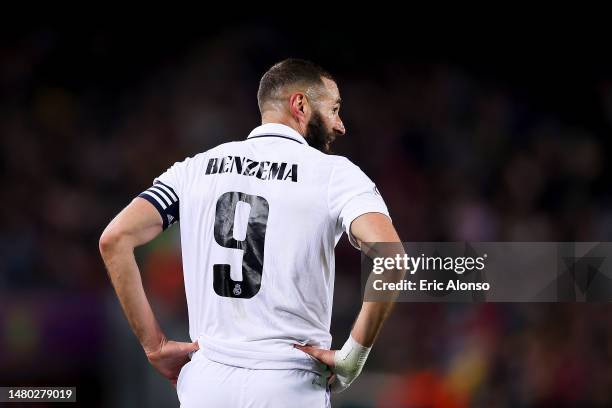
(198, 158)
(343, 164)
(332, 160)
(219, 149)
(341, 160)
(189, 161)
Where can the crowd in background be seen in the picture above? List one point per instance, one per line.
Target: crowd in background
(455, 156)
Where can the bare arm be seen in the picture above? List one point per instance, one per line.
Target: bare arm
(136, 225)
(348, 362)
(369, 228)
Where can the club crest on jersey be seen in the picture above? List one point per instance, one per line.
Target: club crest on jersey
(264, 170)
(237, 290)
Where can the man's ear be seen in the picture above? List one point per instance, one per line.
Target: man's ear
(299, 107)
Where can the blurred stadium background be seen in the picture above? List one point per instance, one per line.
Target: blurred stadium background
(505, 140)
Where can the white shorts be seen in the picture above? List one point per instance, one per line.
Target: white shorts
(206, 383)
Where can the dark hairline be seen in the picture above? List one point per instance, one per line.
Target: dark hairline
(307, 66)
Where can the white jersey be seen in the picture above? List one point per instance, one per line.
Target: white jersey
(259, 222)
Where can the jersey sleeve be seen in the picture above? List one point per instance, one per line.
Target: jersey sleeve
(164, 195)
(351, 194)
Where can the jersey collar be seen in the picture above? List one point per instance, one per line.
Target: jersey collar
(277, 130)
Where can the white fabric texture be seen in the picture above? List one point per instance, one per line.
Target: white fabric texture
(268, 212)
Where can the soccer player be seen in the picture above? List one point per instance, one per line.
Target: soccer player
(259, 222)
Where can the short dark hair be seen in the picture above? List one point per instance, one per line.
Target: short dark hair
(289, 72)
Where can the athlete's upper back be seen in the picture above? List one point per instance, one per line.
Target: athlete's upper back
(259, 222)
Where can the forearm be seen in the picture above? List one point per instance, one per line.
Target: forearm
(350, 359)
(377, 238)
(374, 313)
(369, 321)
(125, 277)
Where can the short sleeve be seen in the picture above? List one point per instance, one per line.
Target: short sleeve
(163, 194)
(351, 194)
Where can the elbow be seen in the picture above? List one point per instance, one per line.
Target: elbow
(110, 240)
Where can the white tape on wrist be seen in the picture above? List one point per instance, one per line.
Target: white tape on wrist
(348, 363)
